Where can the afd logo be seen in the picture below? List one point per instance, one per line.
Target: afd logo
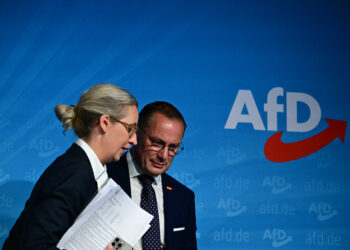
(188, 179)
(277, 184)
(323, 210)
(232, 207)
(278, 237)
(245, 110)
(44, 147)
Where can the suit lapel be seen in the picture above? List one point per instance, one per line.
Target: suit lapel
(169, 207)
(119, 172)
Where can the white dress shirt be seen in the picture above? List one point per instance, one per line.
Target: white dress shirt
(99, 170)
(136, 188)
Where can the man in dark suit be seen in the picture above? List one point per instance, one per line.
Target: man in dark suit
(161, 129)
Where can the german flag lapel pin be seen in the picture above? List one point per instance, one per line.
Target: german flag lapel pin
(169, 188)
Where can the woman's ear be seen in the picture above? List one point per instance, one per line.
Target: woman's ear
(104, 123)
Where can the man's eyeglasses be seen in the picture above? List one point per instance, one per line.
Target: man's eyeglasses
(131, 128)
(158, 145)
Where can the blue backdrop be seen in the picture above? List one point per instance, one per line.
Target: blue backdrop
(239, 71)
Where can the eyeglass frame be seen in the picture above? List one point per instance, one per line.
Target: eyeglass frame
(179, 147)
(130, 128)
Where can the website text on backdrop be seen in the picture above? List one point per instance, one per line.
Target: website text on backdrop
(105, 120)
(160, 133)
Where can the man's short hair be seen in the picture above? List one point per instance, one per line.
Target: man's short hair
(161, 107)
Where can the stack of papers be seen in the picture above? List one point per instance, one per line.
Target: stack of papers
(110, 214)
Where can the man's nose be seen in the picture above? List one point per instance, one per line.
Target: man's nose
(163, 153)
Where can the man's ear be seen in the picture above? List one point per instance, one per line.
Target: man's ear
(104, 123)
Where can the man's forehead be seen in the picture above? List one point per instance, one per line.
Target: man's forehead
(167, 130)
(159, 119)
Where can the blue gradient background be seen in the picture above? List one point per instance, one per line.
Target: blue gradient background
(196, 55)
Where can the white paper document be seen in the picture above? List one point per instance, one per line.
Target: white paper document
(111, 213)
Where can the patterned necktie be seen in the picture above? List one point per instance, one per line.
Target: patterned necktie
(151, 239)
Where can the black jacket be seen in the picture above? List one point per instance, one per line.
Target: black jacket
(61, 193)
(179, 207)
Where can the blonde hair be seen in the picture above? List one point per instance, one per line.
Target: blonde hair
(104, 98)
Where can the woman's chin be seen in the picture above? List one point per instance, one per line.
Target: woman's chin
(117, 155)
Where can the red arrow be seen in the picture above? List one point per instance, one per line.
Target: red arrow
(278, 151)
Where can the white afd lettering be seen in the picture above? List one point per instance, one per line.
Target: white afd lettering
(292, 115)
(245, 98)
(272, 108)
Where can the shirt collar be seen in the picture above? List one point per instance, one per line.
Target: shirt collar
(135, 170)
(98, 169)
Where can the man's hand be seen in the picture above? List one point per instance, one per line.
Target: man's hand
(109, 247)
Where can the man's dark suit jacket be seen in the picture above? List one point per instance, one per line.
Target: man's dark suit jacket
(179, 208)
(61, 193)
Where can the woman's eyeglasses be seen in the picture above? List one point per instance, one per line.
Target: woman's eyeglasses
(131, 128)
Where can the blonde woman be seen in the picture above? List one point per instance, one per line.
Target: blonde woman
(105, 120)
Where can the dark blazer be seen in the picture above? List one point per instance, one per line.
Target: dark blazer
(179, 206)
(61, 193)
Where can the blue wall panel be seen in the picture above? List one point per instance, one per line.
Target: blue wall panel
(201, 56)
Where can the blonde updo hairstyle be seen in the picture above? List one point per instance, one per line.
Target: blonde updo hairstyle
(104, 98)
